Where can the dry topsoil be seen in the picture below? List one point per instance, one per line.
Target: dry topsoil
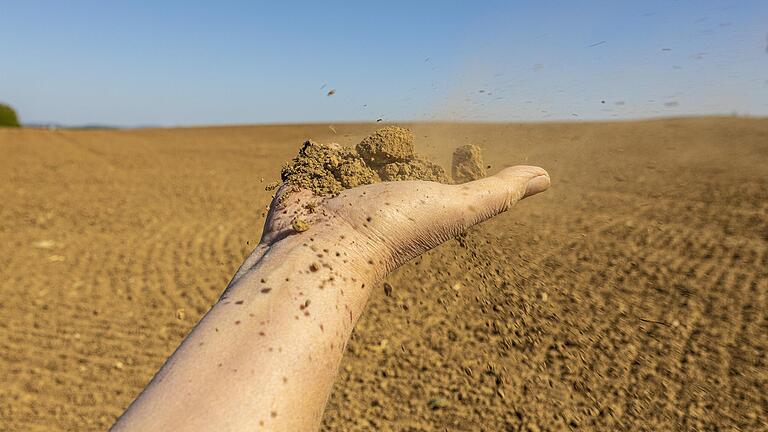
(632, 296)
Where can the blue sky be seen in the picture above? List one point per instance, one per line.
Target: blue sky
(188, 62)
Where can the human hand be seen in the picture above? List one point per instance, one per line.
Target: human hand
(381, 226)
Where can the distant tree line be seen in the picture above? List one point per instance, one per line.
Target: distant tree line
(8, 117)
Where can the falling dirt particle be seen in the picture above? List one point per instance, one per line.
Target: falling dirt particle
(299, 225)
(314, 267)
(239, 302)
(331, 92)
(261, 333)
(467, 164)
(307, 303)
(265, 290)
(237, 322)
(387, 289)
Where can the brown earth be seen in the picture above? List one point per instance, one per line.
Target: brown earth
(633, 295)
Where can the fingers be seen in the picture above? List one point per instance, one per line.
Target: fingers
(482, 199)
(429, 213)
(537, 184)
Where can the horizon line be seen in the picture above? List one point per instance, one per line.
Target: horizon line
(97, 126)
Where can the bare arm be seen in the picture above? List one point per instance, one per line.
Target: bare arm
(266, 355)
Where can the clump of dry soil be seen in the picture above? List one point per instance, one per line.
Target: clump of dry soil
(327, 169)
(386, 155)
(387, 145)
(467, 164)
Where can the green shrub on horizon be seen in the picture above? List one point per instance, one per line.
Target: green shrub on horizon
(8, 117)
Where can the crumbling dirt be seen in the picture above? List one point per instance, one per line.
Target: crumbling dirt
(467, 164)
(327, 169)
(416, 169)
(387, 145)
(386, 155)
(632, 296)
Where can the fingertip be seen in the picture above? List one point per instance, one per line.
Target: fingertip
(536, 185)
(526, 171)
(530, 179)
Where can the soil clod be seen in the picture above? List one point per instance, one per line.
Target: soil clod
(387, 145)
(299, 225)
(386, 155)
(467, 164)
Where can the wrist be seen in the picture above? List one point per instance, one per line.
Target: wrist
(322, 269)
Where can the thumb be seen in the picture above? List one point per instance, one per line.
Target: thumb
(482, 199)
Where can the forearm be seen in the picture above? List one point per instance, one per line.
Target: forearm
(267, 353)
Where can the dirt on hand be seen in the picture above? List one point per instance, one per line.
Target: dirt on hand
(327, 169)
(415, 169)
(386, 155)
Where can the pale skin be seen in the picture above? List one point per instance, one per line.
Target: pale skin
(265, 357)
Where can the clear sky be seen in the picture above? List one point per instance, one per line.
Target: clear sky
(130, 63)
